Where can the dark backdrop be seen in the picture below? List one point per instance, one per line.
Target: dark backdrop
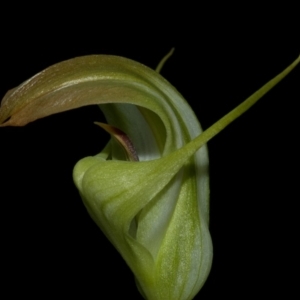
(50, 246)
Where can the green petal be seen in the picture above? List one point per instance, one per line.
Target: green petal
(118, 205)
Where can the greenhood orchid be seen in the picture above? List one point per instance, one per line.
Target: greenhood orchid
(148, 189)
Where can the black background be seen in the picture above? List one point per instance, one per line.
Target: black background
(50, 246)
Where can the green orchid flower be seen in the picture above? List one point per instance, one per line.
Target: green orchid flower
(148, 188)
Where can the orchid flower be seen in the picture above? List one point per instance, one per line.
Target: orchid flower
(148, 188)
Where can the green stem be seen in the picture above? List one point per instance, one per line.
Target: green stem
(189, 149)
